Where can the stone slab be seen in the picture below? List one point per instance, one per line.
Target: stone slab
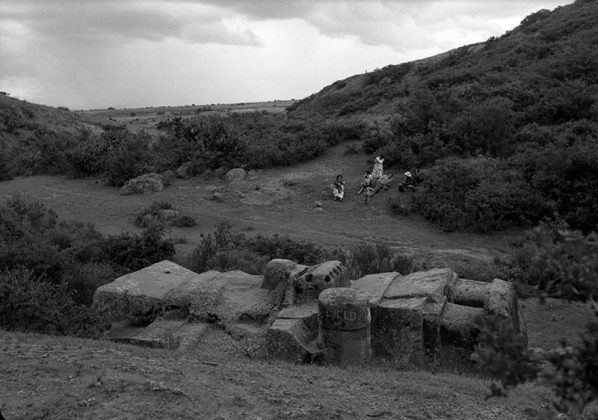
(374, 285)
(143, 291)
(434, 283)
(289, 339)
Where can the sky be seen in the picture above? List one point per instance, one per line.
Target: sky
(93, 54)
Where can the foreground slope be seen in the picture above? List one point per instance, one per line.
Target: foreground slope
(45, 376)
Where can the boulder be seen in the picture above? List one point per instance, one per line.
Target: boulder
(235, 175)
(151, 182)
(216, 196)
(142, 293)
(168, 177)
(185, 170)
(171, 334)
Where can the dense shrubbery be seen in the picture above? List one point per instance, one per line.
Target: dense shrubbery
(49, 269)
(562, 263)
(225, 250)
(480, 194)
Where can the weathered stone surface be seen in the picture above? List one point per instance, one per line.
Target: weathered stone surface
(277, 271)
(432, 339)
(398, 330)
(308, 284)
(291, 339)
(142, 292)
(435, 283)
(235, 175)
(228, 297)
(501, 301)
(343, 308)
(374, 285)
(470, 293)
(344, 318)
(151, 182)
(172, 334)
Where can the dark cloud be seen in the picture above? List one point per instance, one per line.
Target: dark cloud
(103, 21)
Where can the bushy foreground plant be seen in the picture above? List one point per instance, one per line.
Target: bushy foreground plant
(572, 370)
(49, 269)
(224, 250)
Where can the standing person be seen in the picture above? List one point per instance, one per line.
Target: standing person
(366, 182)
(339, 188)
(378, 169)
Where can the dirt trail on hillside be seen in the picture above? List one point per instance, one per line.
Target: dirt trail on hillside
(279, 200)
(64, 378)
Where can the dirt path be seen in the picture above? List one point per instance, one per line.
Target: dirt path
(64, 378)
(279, 200)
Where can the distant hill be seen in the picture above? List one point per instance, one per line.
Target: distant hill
(548, 51)
(19, 118)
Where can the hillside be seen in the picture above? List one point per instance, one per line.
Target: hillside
(547, 52)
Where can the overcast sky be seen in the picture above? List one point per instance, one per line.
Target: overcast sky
(87, 54)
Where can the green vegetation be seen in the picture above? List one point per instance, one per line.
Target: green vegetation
(558, 262)
(49, 269)
(224, 250)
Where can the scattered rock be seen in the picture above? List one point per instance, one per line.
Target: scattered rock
(185, 170)
(216, 196)
(235, 175)
(318, 204)
(151, 182)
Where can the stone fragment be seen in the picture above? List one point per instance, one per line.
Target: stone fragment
(459, 335)
(344, 318)
(435, 283)
(151, 182)
(308, 284)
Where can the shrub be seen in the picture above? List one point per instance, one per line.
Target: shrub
(30, 303)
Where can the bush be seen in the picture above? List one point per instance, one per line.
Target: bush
(570, 371)
(30, 303)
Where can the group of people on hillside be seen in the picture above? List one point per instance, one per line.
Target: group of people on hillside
(372, 182)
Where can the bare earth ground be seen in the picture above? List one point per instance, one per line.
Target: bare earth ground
(279, 200)
(51, 377)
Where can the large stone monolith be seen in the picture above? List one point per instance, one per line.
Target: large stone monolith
(344, 318)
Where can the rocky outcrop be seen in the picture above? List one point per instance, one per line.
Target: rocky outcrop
(151, 182)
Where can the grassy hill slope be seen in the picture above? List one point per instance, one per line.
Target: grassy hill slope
(548, 51)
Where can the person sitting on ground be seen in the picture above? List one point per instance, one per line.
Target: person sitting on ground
(378, 168)
(366, 182)
(338, 188)
(408, 182)
(383, 183)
